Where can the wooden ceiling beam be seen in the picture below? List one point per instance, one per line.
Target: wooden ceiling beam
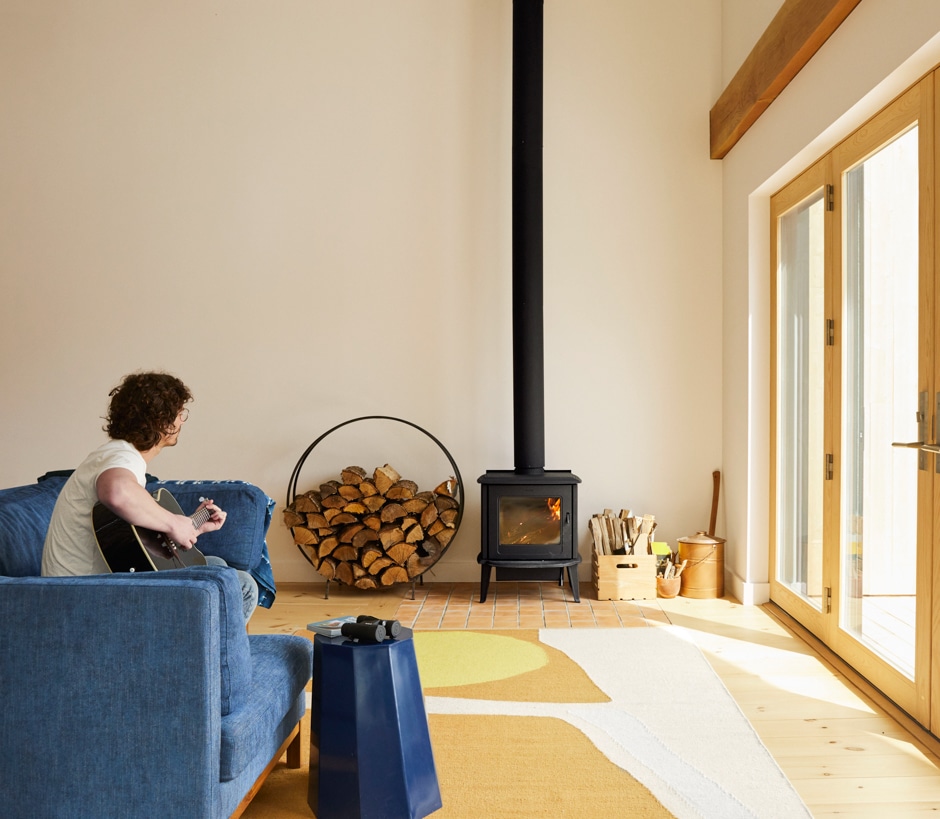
(795, 34)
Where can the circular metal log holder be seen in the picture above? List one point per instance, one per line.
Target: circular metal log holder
(295, 476)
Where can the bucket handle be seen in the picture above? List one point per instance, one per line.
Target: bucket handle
(702, 559)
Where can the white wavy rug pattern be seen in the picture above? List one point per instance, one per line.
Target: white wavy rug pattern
(671, 723)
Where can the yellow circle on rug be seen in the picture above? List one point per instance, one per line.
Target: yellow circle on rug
(449, 658)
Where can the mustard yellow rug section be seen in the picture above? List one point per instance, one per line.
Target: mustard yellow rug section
(519, 767)
(511, 666)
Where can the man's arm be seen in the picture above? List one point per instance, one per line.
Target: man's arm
(118, 489)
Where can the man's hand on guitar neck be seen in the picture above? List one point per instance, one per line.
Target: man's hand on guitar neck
(216, 517)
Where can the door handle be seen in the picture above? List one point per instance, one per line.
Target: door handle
(918, 445)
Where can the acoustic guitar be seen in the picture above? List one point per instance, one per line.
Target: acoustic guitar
(129, 548)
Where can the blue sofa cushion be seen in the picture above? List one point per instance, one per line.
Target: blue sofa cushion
(280, 664)
(241, 541)
(24, 518)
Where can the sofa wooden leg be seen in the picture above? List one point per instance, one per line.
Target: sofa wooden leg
(289, 745)
(293, 751)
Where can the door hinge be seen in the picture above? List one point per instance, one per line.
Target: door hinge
(830, 332)
(828, 466)
(828, 591)
(830, 197)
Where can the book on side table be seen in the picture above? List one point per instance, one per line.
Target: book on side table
(332, 627)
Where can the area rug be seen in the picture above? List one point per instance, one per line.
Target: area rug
(578, 722)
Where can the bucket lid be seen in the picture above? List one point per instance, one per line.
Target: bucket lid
(701, 539)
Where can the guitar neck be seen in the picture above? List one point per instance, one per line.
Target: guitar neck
(200, 517)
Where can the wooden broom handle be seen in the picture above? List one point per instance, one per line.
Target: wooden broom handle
(716, 483)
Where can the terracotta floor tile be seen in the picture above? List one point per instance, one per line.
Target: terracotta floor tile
(513, 605)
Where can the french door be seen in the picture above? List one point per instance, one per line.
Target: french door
(856, 399)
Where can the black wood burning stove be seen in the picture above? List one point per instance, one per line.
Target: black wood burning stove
(530, 514)
(529, 525)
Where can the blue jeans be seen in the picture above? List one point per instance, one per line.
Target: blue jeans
(246, 581)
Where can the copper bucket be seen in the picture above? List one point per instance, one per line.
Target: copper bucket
(704, 574)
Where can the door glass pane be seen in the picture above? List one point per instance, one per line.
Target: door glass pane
(529, 520)
(880, 391)
(801, 349)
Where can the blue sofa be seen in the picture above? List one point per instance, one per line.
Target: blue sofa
(140, 694)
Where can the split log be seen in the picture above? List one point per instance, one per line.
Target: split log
(392, 512)
(382, 563)
(327, 568)
(384, 478)
(304, 537)
(402, 490)
(347, 553)
(415, 505)
(390, 535)
(328, 545)
(448, 488)
(293, 518)
(316, 520)
(349, 532)
(334, 501)
(353, 475)
(344, 572)
(369, 555)
(373, 502)
(393, 575)
(364, 537)
(308, 502)
(429, 515)
(444, 537)
(351, 493)
(400, 552)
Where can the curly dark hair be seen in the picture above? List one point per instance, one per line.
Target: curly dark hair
(144, 407)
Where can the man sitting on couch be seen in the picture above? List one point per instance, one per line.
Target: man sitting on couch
(146, 414)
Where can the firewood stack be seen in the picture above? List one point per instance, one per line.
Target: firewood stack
(373, 531)
(623, 534)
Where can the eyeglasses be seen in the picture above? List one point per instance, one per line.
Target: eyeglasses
(183, 414)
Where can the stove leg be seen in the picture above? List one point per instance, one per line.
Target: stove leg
(484, 581)
(573, 580)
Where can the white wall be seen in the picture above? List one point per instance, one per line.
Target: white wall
(878, 51)
(303, 210)
(742, 24)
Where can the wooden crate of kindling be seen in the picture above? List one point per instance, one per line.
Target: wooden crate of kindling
(625, 577)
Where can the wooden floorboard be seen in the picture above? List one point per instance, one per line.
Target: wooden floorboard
(846, 754)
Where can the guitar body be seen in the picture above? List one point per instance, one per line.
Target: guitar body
(129, 548)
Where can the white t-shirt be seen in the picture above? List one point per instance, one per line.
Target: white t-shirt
(71, 547)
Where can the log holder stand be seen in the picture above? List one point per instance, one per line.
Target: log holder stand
(295, 476)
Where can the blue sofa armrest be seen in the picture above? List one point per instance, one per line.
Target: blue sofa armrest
(116, 685)
(24, 517)
(115, 681)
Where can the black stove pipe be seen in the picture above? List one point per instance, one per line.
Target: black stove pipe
(527, 321)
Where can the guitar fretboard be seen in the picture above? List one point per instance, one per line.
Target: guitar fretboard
(200, 517)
